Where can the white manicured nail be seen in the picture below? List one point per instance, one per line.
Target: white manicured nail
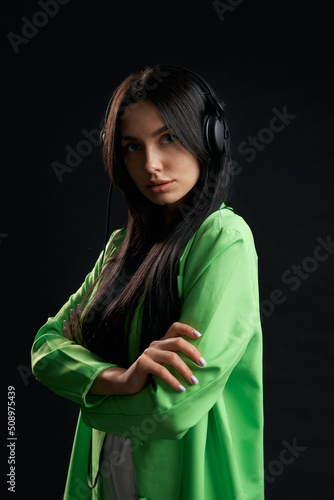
(202, 361)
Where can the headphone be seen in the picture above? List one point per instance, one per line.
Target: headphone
(215, 130)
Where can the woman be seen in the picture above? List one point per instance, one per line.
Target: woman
(162, 346)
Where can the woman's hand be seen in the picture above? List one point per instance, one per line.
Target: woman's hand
(164, 351)
(72, 330)
(118, 380)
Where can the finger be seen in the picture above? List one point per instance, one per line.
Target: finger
(79, 314)
(180, 344)
(67, 330)
(173, 359)
(178, 328)
(75, 315)
(147, 365)
(73, 319)
(79, 310)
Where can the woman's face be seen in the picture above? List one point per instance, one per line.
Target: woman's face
(151, 155)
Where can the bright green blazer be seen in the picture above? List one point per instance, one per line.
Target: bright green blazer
(202, 444)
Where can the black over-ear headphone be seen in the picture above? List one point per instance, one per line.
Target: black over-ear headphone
(215, 130)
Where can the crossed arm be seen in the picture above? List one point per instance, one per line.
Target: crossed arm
(220, 301)
(118, 380)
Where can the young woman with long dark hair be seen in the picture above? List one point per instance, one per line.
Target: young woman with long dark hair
(162, 345)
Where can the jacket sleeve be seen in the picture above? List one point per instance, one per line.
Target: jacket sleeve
(220, 290)
(62, 365)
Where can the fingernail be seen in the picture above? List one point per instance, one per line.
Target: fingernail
(202, 361)
(72, 312)
(197, 334)
(194, 379)
(65, 323)
(181, 388)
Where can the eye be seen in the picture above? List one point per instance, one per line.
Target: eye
(131, 147)
(168, 138)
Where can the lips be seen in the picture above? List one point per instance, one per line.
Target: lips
(157, 183)
(162, 188)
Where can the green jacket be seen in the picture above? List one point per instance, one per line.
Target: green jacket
(202, 444)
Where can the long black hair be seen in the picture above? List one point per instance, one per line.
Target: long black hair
(144, 269)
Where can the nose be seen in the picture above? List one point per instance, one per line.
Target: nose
(152, 159)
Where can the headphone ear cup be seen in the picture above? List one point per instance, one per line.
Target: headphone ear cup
(214, 134)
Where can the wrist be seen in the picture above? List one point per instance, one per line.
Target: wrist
(109, 382)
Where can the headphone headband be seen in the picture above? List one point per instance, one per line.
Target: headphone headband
(203, 83)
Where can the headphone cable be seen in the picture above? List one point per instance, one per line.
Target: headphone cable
(107, 221)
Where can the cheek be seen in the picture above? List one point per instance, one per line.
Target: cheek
(132, 171)
(136, 177)
(193, 172)
(134, 166)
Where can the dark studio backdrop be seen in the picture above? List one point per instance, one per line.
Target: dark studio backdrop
(270, 63)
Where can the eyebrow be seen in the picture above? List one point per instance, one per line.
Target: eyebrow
(154, 134)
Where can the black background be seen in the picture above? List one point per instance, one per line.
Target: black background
(262, 56)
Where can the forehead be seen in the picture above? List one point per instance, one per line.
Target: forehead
(140, 116)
